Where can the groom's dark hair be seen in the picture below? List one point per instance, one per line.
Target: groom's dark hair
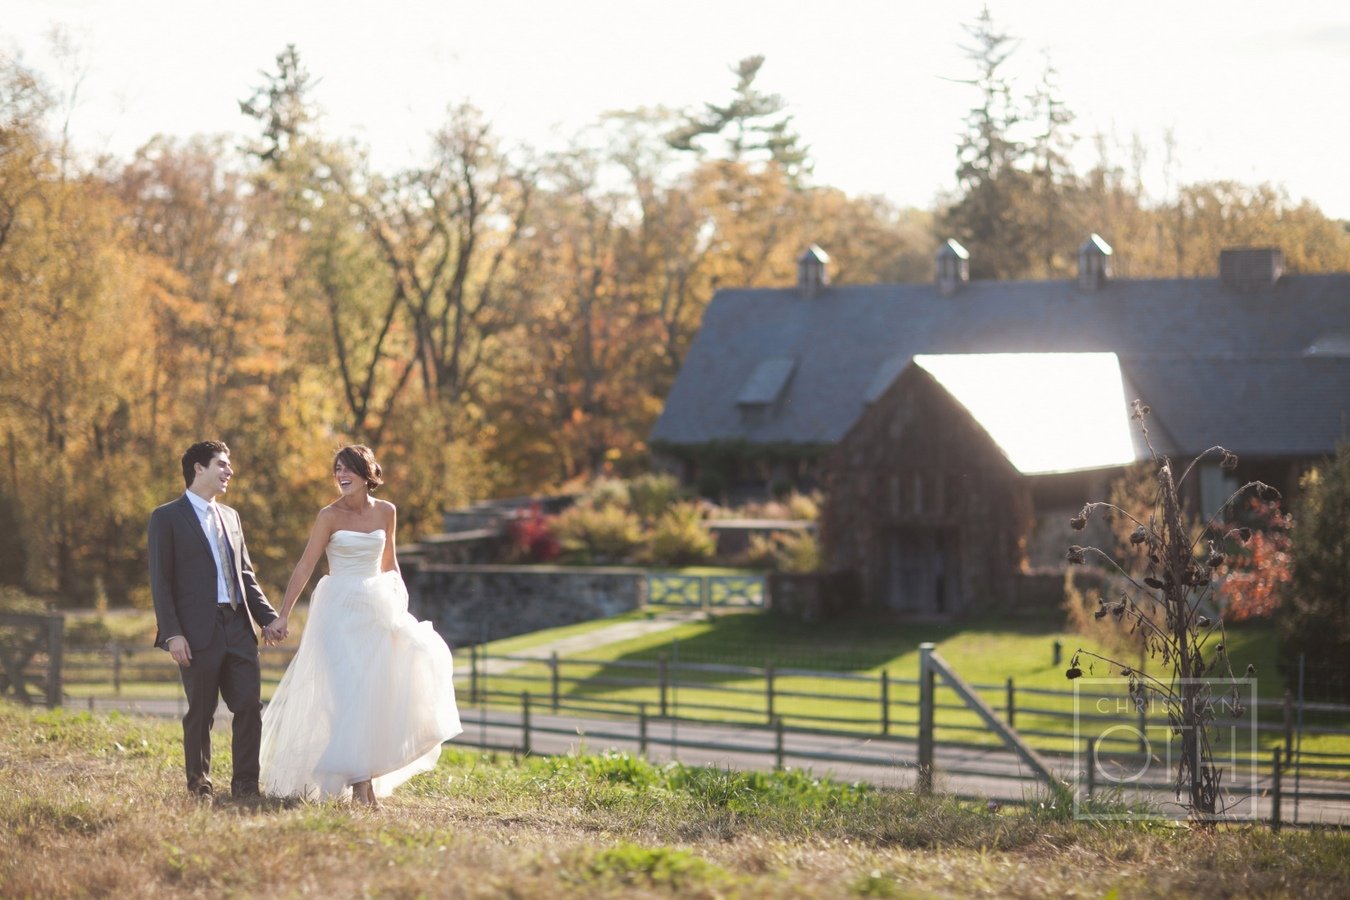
(201, 452)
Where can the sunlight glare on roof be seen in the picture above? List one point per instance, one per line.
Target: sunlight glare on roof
(1049, 412)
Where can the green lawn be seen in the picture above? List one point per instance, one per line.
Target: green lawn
(986, 654)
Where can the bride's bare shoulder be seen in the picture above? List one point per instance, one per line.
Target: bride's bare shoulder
(327, 515)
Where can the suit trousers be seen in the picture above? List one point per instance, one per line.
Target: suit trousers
(226, 668)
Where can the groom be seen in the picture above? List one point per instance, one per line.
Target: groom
(207, 602)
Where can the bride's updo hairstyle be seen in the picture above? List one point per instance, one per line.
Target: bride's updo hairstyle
(361, 460)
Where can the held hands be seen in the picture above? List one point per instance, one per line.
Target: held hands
(277, 631)
(180, 651)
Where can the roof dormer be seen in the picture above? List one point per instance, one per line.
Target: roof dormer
(953, 267)
(1094, 263)
(812, 271)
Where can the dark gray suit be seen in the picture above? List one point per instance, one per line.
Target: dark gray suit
(223, 640)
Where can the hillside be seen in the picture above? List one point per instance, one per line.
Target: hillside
(94, 805)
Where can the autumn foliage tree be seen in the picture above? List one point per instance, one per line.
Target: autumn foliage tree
(495, 320)
(1256, 573)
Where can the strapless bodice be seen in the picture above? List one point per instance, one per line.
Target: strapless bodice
(355, 553)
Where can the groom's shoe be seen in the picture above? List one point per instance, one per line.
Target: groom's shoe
(245, 790)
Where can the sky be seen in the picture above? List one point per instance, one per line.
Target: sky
(1251, 90)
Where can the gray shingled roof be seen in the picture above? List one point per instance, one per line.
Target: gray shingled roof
(1216, 365)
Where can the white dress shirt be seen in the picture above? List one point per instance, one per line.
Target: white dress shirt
(209, 515)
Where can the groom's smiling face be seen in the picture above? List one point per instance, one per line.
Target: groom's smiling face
(214, 479)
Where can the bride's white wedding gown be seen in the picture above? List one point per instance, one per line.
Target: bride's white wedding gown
(369, 692)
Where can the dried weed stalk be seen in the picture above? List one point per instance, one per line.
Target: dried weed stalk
(1165, 610)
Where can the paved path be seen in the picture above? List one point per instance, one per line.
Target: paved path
(580, 643)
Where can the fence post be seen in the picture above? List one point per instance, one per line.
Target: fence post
(484, 688)
(642, 730)
(117, 668)
(1288, 722)
(1142, 707)
(885, 702)
(483, 632)
(473, 673)
(1091, 767)
(925, 782)
(553, 673)
(55, 628)
(1297, 759)
(663, 676)
(1275, 791)
(768, 690)
(525, 720)
(778, 745)
(1012, 703)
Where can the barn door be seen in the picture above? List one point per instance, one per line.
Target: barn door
(918, 572)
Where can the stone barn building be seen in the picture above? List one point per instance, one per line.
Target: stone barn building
(922, 505)
(815, 386)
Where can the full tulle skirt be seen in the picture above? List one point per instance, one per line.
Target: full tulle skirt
(368, 695)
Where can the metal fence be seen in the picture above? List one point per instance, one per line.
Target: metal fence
(889, 711)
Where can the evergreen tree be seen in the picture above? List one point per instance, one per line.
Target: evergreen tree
(752, 121)
(1054, 186)
(282, 107)
(1315, 619)
(990, 217)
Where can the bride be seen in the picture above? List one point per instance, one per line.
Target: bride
(368, 699)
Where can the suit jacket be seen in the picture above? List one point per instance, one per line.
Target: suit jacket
(183, 574)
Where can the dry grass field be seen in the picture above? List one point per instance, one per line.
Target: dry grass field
(94, 806)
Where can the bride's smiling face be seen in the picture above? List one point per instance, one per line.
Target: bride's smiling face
(349, 483)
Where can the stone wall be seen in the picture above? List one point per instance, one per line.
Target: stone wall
(469, 603)
(814, 597)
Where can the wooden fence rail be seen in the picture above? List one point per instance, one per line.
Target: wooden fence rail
(879, 712)
(879, 703)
